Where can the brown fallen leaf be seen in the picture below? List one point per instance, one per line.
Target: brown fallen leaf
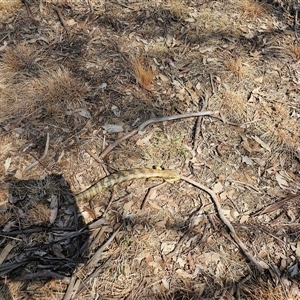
(154, 205)
(262, 143)
(246, 144)
(190, 261)
(183, 274)
(6, 251)
(91, 212)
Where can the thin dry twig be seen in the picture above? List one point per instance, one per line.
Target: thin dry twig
(179, 244)
(212, 222)
(97, 238)
(41, 274)
(25, 2)
(90, 153)
(212, 84)
(97, 256)
(178, 249)
(72, 288)
(90, 13)
(42, 157)
(250, 186)
(222, 118)
(91, 7)
(199, 122)
(226, 222)
(61, 19)
(213, 114)
(109, 203)
(121, 4)
(83, 285)
(95, 259)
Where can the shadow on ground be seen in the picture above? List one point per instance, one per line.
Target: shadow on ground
(42, 236)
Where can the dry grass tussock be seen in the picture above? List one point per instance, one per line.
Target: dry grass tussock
(19, 61)
(280, 126)
(143, 74)
(54, 94)
(236, 66)
(235, 105)
(253, 8)
(177, 8)
(59, 92)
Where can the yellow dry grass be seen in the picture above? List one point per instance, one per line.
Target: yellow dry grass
(59, 92)
(39, 214)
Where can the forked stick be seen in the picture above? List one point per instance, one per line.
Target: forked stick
(225, 221)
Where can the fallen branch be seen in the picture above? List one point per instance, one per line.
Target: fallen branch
(225, 221)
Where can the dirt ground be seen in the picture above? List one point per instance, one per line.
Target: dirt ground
(76, 76)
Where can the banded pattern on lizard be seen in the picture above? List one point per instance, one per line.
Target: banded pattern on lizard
(122, 176)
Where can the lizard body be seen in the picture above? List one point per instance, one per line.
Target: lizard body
(122, 176)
